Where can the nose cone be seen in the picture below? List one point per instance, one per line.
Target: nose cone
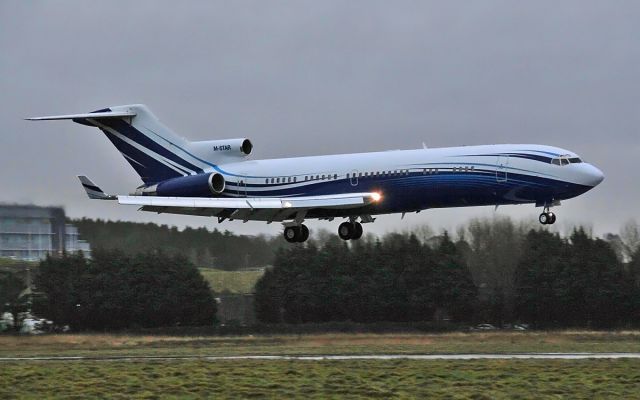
(592, 175)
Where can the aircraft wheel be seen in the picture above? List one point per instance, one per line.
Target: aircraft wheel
(552, 218)
(543, 218)
(291, 234)
(345, 230)
(357, 231)
(304, 233)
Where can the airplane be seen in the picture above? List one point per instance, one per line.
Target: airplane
(215, 178)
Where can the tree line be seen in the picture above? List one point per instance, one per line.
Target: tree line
(495, 271)
(205, 248)
(398, 279)
(490, 270)
(113, 290)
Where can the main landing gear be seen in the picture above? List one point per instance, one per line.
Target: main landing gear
(547, 217)
(296, 234)
(350, 230)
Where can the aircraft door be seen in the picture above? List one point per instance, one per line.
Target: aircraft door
(354, 177)
(502, 165)
(242, 187)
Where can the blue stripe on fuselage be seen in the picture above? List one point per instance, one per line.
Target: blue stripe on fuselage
(436, 187)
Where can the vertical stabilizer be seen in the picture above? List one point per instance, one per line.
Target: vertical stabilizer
(152, 149)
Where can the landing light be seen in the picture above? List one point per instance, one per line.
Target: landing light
(376, 196)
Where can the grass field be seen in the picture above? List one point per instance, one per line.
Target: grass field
(475, 342)
(492, 379)
(231, 281)
(476, 379)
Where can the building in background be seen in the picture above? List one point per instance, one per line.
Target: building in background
(31, 232)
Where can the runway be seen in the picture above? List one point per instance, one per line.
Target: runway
(328, 357)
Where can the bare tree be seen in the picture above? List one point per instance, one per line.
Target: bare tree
(630, 237)
(495, 248)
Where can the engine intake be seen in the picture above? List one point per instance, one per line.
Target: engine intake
(216, 183)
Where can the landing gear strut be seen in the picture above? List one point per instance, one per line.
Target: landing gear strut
(296, 234)
(547, 217)
(350, 230)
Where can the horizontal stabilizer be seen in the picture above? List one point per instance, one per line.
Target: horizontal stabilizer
(96, 115)
(93, 191)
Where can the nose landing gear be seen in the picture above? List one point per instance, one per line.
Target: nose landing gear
(350, 230)
(547, 217)
(296, 234)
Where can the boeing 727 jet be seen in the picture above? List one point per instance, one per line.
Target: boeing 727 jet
(215, 178)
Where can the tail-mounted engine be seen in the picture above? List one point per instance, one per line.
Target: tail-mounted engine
(219, 151)
(201, 185)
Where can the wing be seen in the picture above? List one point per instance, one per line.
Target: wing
(250, 208)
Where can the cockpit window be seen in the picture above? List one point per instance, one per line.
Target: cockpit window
(565, 160)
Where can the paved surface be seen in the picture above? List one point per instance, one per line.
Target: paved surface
(515, 356)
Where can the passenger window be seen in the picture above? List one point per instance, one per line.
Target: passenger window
(317, 177)
(294, 179)
(335, 176)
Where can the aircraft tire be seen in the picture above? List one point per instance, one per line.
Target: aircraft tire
(357, 231)
(543, 218)
(291, 234)
(345, 230)
(304, 234)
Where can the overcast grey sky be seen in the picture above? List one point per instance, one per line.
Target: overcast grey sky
(316, 77)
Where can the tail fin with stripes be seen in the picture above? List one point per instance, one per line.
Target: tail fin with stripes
(152, 149)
